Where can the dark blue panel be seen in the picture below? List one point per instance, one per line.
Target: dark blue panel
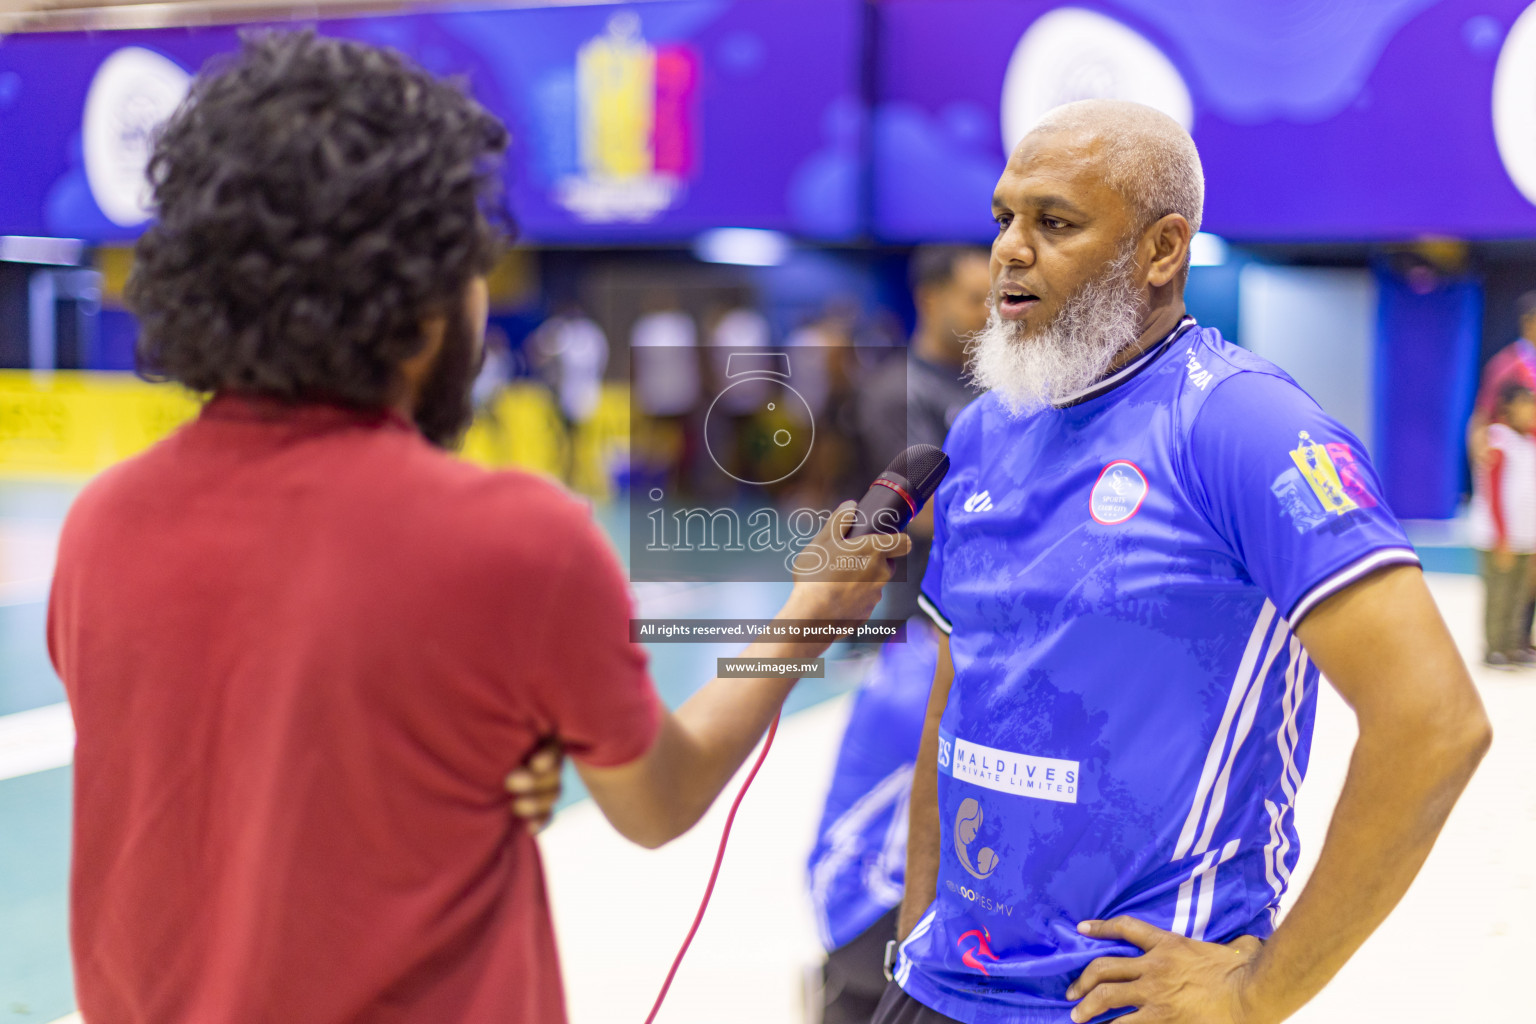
(1427, 342)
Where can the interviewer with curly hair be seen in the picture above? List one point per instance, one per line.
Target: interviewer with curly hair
(303, 645)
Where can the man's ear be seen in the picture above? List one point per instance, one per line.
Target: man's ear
(417, 368)
(1169, 236)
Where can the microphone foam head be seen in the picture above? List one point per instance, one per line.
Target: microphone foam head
(923, 466)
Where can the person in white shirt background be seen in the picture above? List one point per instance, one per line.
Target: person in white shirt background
(1504, 526)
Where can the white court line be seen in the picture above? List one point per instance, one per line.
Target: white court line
(73, 1018)
(36, 740)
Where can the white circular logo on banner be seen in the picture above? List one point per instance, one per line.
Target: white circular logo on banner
(1514, 103)
(1075, 54)
(134, 91)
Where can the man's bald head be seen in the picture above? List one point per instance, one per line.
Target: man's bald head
(1147, 156)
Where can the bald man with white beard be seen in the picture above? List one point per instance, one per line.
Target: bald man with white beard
(1150, 545)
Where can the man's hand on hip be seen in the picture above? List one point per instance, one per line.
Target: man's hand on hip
(1176, 979)
(535, 787)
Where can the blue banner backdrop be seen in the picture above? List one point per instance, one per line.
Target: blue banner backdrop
(640, 122)
(1371, 119)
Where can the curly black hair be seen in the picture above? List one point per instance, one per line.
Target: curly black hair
(316, 199)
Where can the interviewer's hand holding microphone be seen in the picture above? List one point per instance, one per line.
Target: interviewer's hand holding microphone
(838, 577)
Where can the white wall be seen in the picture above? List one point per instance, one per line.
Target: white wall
(1319, 325)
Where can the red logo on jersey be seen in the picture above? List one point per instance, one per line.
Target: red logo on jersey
(968, 956)
(1350, 474)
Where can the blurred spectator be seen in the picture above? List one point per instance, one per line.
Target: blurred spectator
(812, 348)
(1514, 363)
(737, 326)
(825, 373)
(666, 387)
(1504, 525)
(736, 437)
(915, 402)
(495, 371)
(666, 364)
(859, 863)
(571, 353)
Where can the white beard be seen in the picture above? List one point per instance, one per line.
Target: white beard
(1030, 370)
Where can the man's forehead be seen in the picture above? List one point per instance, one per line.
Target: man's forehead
(1066, 165)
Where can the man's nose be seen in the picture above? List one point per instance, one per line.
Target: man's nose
(1013, 247)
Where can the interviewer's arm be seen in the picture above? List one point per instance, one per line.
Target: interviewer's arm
(923, 809)
(1423, 730)
(664, 792)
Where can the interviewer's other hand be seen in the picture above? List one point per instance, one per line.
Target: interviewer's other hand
(1175, 979)
(535, 787)
(840, 577)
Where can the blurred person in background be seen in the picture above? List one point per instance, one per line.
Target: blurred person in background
(825, 371)
(571, 353)
(667, 383)
(1514, 363)
(857, 867)
(736, 326)
(1150, 549)
(916, 402)
(303, 644)
(1504, 526)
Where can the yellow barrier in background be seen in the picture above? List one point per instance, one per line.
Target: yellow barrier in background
(75, 424)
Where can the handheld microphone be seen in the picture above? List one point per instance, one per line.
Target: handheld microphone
(896, 495)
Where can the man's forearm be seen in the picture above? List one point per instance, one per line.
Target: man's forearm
(922, 876)
(1396, 798)
(723, 721)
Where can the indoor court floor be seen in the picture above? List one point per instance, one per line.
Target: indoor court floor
(1454, 950)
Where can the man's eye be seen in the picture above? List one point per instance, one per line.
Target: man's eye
(1053, 223)
(1003, 220)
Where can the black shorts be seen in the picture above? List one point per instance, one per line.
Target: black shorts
(853, 978)
(896, 1007)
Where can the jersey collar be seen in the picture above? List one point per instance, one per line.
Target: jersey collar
(1129, 370)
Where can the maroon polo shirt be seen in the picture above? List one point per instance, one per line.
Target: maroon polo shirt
(303, 648)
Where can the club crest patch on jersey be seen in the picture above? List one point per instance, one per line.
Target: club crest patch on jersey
(1325, 483)
(1118, 493)
(1317, 469)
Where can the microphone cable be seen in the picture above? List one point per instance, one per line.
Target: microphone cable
(714, 873)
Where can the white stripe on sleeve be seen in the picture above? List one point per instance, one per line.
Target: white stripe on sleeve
(1349, 574)
(932, 611)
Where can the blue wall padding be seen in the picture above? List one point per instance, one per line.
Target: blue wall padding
(1427, 341)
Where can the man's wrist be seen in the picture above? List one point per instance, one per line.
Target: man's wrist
(1253, 1005)
(803, 608)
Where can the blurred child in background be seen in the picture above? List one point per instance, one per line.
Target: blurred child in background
(1504, 525)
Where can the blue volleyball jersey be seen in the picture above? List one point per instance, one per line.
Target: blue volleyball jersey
(1131, 713)
(859, 864)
